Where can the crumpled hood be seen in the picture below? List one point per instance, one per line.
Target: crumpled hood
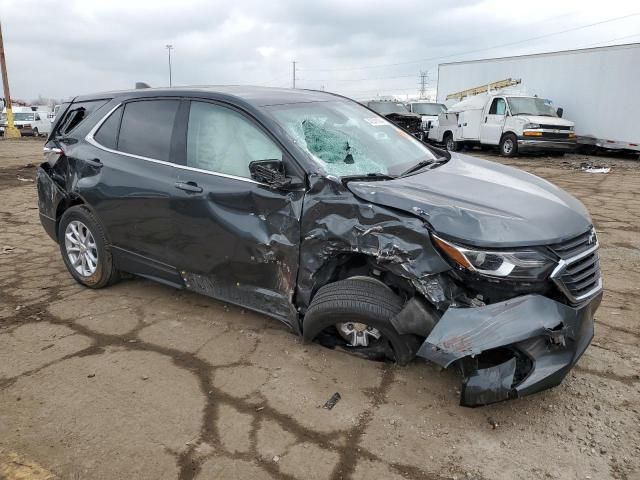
(483, 203)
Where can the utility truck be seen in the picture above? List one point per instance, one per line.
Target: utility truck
(512, 122)
(598, 88)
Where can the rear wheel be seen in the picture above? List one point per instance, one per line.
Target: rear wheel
(508, 145)
(85, 250)
(355, 316)
(450, 143)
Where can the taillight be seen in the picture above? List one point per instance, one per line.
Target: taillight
(52, 155)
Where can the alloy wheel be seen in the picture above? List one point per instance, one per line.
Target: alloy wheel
(358, 334)
(81, 248)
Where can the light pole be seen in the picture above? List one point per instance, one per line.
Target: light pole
(169, 48)
(10, 131)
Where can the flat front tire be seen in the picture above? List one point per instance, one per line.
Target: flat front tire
(84, 248)
(355, 315)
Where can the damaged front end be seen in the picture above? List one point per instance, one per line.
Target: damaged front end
(511, 348)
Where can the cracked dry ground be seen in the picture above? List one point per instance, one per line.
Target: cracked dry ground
(143, 381)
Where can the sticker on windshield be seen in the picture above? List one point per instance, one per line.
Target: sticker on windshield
(376, 121)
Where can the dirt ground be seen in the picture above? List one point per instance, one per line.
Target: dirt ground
(141, 381)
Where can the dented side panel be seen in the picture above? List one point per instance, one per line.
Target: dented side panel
(334, 222)
(238, 241)
(50, 196)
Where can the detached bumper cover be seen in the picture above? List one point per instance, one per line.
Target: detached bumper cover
(546, 337)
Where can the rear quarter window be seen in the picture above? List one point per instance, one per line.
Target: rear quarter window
(76, 114)
(107, 134)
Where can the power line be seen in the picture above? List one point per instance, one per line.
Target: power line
(573, 29)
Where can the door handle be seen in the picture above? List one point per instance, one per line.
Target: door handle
(485, 119)
(94, 162)
(191, 187)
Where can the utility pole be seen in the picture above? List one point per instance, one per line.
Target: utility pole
(294, 73)
(169, 48)
(423, 84)
(10, 131)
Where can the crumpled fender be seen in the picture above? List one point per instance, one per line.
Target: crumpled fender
(335, 222)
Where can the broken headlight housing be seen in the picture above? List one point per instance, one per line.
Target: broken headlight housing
(517, 264)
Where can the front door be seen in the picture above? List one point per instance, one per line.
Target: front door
(237, 239)
(493, 122)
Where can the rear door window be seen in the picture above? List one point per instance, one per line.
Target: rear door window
(107, 134)
(146, 128)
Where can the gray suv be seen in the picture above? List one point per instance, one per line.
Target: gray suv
(314, 210)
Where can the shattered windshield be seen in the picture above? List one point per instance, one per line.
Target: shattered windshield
(531, 106)
(384, 108)
(428, 108)
(347, 139)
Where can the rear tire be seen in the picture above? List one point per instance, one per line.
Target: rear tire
(509, 145)
(450, 143)
(359, 301)
(85, 250)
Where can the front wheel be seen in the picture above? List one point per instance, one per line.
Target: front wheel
(355, 316)
(85, 250)
(36, 133)
(508, 145)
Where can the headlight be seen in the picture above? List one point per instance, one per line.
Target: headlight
(531, 125)
(525, 264)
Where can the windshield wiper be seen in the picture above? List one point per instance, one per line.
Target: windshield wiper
(417, 166)
(367, 176)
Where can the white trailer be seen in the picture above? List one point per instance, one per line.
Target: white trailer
(598, 88)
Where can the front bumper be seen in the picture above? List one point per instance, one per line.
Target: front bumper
(512, 348)
(541, 144)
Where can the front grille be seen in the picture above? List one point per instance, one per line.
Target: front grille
(547, 135)
(578, 272)
(556, 127)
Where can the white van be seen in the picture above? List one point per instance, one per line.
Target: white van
(514, 123)
(30, 121)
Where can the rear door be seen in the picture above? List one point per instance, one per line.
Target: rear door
(237, 239)
(493, 122)
(133, 197)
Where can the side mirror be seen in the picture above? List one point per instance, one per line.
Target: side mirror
(37, 118)
(559, 112)
(270, 172)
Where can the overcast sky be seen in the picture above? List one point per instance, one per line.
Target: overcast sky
(358, 48)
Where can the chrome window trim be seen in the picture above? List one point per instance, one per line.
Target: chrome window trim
(90, 138)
